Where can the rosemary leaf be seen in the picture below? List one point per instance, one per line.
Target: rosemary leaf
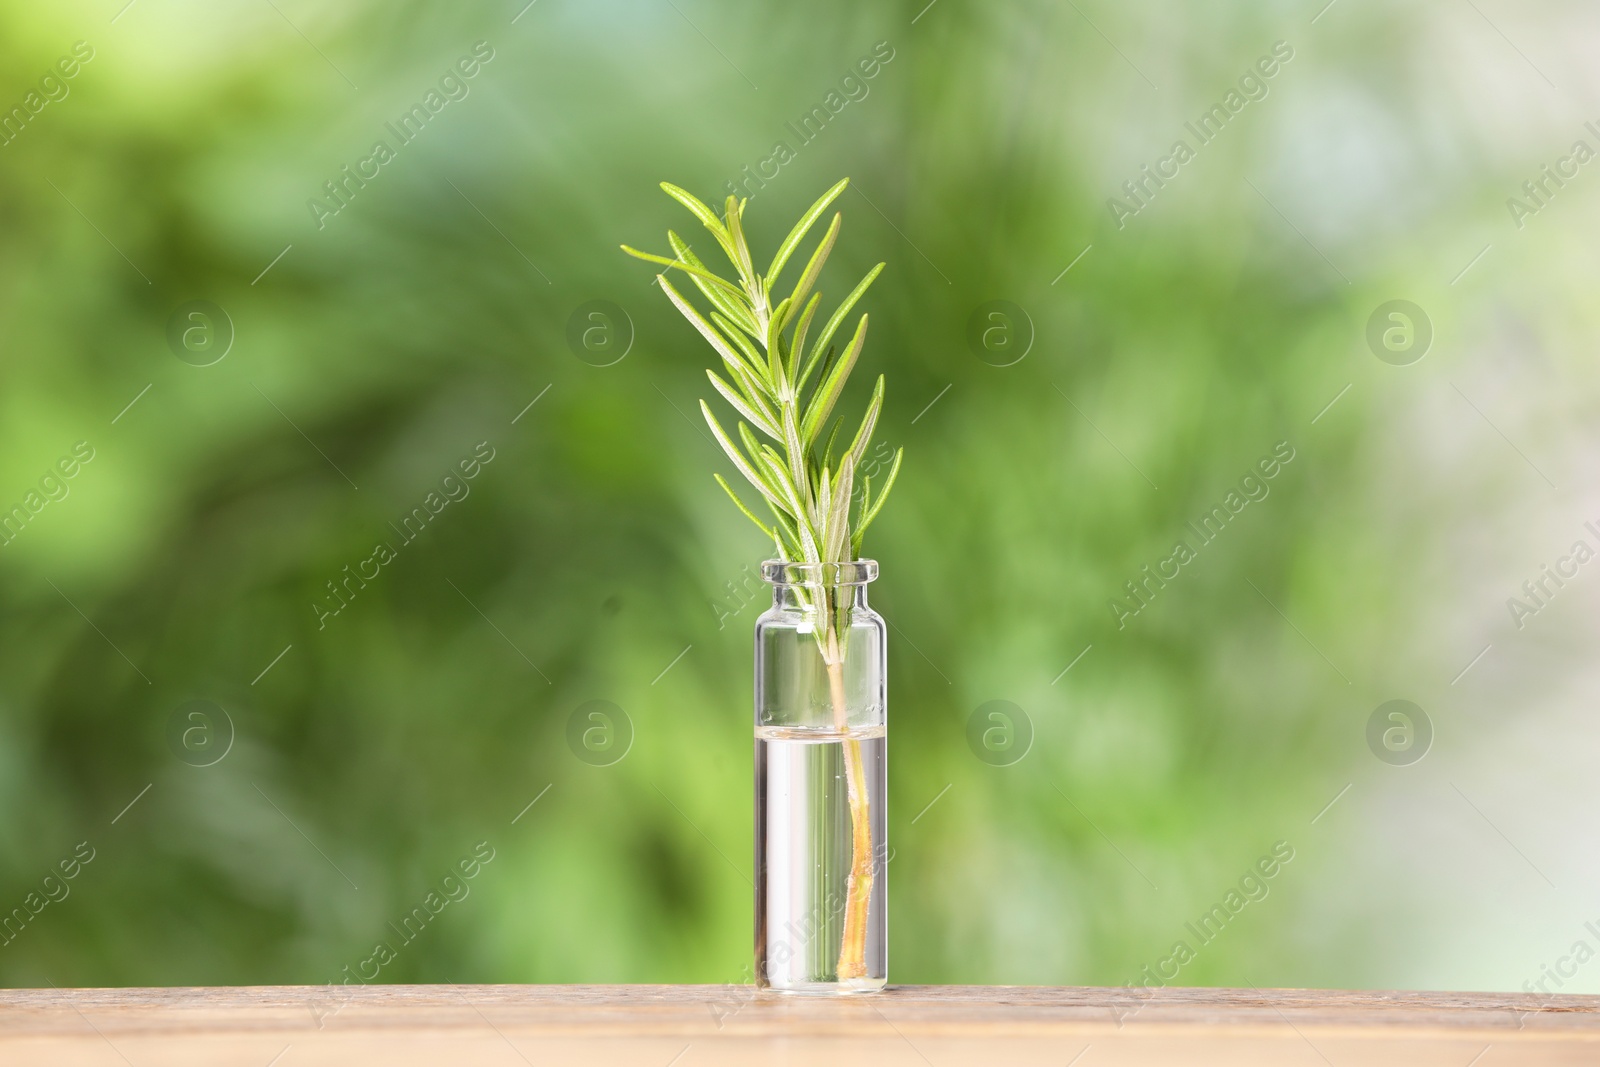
(831, 386)
(740, 505)
(739, 461)
(798, 234)
(704, 214)
(701, 275)
(707, 331)
(877, 505)
(833, 324)
(818, 258)
(869, 422)
(761, 417)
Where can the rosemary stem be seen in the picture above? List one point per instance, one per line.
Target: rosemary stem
(858, 884)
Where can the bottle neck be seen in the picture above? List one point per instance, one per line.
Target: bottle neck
(807, 597)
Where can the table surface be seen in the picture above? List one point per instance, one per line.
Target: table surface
(696, 1026)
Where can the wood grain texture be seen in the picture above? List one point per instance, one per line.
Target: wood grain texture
(699, 1026)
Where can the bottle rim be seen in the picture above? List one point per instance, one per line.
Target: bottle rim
(855, 572)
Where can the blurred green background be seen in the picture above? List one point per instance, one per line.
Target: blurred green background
(592, 558)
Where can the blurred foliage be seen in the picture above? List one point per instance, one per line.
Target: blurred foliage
(380, 349)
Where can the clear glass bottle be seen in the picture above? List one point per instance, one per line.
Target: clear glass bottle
(821, 782)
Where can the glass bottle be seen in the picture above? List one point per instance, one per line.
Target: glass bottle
(821, 782)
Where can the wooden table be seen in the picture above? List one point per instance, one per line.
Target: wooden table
(695, 1026)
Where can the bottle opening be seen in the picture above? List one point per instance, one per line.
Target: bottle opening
(856, 572)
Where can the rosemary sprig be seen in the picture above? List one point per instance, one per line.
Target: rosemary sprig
(770, 358)
(769, 355)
